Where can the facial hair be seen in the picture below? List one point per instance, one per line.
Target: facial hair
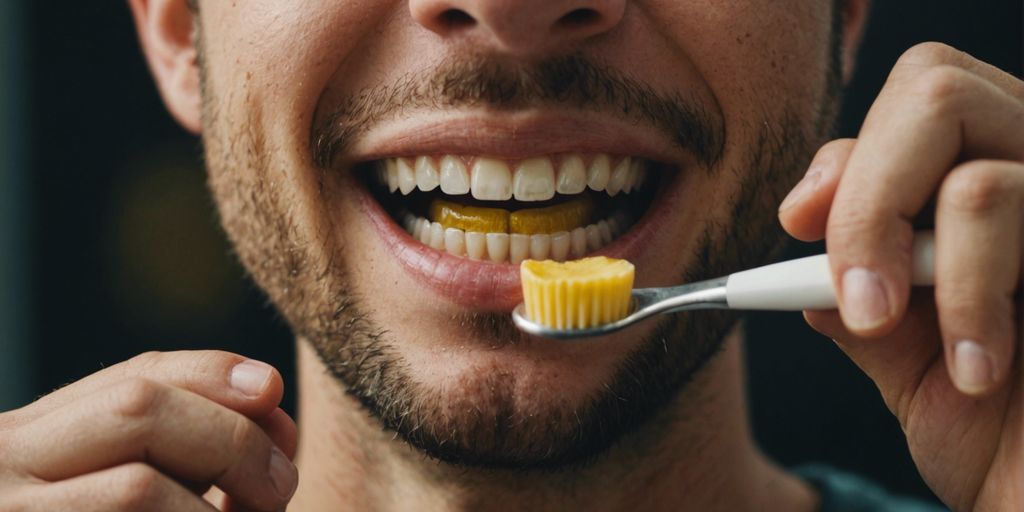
(482, 427)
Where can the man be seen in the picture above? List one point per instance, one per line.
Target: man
(333, 130)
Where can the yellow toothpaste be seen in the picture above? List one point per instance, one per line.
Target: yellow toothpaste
(469, 218)
(566, 216)
(552, 219)
(576, 294)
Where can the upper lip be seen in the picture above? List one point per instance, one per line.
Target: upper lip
(514, 136)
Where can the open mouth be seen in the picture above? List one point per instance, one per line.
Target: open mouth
(558, 207)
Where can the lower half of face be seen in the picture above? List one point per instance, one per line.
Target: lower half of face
(401, 266)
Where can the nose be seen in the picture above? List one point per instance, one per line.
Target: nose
(520, 27)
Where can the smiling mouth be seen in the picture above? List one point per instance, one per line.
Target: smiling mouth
(557, 207)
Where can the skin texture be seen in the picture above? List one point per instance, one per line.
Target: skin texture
(158, 431)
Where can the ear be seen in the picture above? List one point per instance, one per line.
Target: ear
(165, 30)
(854, 16)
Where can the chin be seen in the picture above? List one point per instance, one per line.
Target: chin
(437, 358)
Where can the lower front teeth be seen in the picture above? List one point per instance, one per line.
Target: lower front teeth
(516, 247)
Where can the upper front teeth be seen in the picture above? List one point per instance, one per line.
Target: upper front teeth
(572, 176)
(454, 177)
(533, 179)
(491, 180)
(427, 178)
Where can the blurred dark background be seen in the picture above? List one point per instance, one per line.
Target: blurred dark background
(109, 244)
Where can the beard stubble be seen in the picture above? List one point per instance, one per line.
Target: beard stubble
(306, 278)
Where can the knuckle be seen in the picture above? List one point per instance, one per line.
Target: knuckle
(243, 433)
(855, 222)
(833, 150)
(146, 361)
(929, 54)
(974, 188)
(137, 398)
(139, 488)
(215, 361)
(940, 87)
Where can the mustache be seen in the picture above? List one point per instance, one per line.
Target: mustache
(492, 83)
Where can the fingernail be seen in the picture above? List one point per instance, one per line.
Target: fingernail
(283, 474)
(250, 377)
(973, 370)
(865, 304)
(802, 189)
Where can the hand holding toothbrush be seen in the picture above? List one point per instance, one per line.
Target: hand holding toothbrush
(946, 130)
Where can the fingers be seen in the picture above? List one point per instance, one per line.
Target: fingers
(281, 429)
(804, 212)
(978, 260)
(127, 488)
(915, 133)
(178, 432)
(897, 362)
(250, 387)
(924, 56)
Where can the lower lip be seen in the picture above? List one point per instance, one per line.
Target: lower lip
(483, 285)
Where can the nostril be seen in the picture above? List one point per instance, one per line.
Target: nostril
(579, 18)
(456, 19)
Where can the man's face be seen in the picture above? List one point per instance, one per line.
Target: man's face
(717, 104)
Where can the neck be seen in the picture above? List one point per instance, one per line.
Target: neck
(698, 455)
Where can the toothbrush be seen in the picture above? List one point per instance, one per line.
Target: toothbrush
(794, 285)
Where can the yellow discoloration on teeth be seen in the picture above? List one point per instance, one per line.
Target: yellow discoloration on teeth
(566, 216)
(531, 221)
(469, 218)
(576, 294)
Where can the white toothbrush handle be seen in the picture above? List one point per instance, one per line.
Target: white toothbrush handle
(806, 283)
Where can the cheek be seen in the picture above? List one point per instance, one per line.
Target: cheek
(756, 56)
(281, 55)
(268, 64)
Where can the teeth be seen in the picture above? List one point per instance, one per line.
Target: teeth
(455, 241)
(436, 236)
(572, 176)
(593, 237)
(560, 246)
(578, 242)
(427, 178)
(497, 246)
(636, 171)
(614, 227)
(519, 248)
(454, 177)
(605, 231)
(598, 173)
(534, 180)
(415, 231)
(406, 177)
(392, 172)
(424, 232)
(516, 247)
(492, 232)
(540, 246)
(619, 177)
(476, 245)
(492, 180)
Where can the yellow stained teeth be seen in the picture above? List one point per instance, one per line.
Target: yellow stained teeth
(469, 218)
(532, 221)
(576, 294)
(566, 216)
